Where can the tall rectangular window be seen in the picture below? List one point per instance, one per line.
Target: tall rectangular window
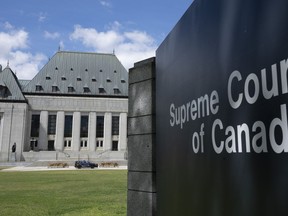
(115, 125)
(100, 126)
(84, 126)
(68, 126)
(35, 124)
(51, 124)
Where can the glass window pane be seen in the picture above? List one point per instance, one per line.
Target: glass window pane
(68, 126)
(35, 124)
(100, 126)
(84, 126)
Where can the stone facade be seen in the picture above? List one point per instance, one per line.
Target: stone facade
(48, 121)
(141, 140)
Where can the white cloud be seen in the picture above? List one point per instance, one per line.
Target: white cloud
(105, 3)
(51, 35)
(42, 17)
(14, 44)
(130, 46)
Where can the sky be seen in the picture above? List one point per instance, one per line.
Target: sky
(32, 31)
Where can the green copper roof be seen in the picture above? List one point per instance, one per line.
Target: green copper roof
(81, 74)
(10, 89)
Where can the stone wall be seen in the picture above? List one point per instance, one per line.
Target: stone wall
(141, 140)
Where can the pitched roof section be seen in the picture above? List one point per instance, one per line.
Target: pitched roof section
(10, 89)
(82, 71)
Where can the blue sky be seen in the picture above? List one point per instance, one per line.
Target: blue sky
(31, 31)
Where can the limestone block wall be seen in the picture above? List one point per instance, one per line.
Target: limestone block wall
(12, 130)
(141, 197)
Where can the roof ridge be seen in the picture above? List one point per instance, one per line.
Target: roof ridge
(78, 52)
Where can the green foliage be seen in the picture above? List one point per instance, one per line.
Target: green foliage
(84, 192)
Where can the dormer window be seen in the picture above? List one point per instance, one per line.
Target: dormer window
(86, 89)
(79, 79)
(86, 70)
(71, 69)
(39, 88)
(56, 68)
(48, 78)
(71, 89)
(3, 90)
(116, 90)
(63, 78)
(102, 90)
(55, 88)
(123, 81)
(93, 79)
(115, 71)
(108, 79)
(101, 70)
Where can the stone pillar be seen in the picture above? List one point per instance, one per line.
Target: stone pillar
(107, 145)
(60, 123)
(76, 131)
(43, 139)
(123, 132)
(92, 131)
(141, 198)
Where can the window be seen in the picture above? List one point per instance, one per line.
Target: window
(52, 124)
(84, 126)
(39, 88)
(55, 88)
(35, 124)
(115, 71)
(115, 125)
(108, 80)
(117, 91)
(83, 144)
(67, 143)
(102, 90)
(123, 81)
(68, 126)
(48, 78)
(4, 91)
(71, 89)
(94, 79)
(63, 78)
(100, 126)
(99, 143)
(86, 89)
(79, 79)
(71, 69)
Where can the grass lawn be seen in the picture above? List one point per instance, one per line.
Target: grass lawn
(79, 192)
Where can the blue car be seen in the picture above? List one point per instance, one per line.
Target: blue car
(85, 164)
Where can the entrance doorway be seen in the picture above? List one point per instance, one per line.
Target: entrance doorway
(51, 145)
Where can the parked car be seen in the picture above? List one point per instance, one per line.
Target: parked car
(85, 164)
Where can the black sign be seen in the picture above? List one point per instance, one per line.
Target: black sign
(221, 110)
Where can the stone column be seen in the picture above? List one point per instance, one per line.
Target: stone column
(43, 139)
(107, 145)
(60, 123)
(141, 199)
(123, 132)
(76, 131)
(92, 131)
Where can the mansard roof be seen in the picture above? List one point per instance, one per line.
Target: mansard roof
(10, 89)
(86, 73)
